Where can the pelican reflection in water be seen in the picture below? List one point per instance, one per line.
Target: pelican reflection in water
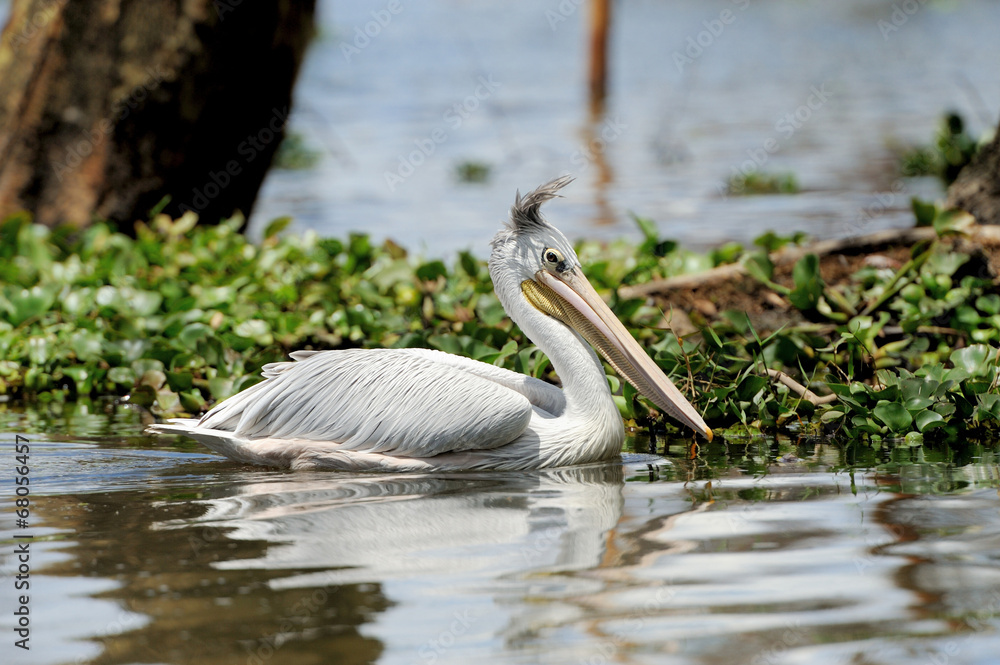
(420, 410)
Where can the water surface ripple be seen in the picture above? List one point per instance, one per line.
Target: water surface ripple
(150, 550)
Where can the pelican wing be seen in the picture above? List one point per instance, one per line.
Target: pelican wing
(394, 401)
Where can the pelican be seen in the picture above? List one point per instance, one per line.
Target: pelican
(426, 410)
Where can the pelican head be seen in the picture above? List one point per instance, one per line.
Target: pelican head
(535, 269)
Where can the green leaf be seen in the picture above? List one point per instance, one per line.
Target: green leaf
(648, 227)
(256, 329)
(988, 304)
(972, 359)
(927, 420)
(193, 333)
(924, 212)
(750, 386)
(430, 271)
(759, 266)
(276, 226)
(446, 343)
(24, 304)
(893, 415)
(808, 283)
(179, 381)
(122, 376)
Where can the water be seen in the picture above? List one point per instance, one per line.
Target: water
(154, 550)
(674, 132)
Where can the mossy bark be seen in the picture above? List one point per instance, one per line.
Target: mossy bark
(107, 106)
(977, 188)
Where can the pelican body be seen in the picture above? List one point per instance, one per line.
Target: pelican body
(421, 410)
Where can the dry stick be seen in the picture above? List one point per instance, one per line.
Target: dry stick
(789, 255)
(802, 391)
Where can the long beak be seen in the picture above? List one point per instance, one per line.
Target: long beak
(570, 298)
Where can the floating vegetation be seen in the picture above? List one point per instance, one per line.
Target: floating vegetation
(295, 154)
(953, 148)
(473, 172)
(747, 184)
(183, 315)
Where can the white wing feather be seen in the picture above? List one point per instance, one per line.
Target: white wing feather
(397, 401)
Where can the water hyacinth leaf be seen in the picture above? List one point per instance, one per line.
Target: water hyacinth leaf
(831, 415)
(21, 305)
(988, 304)
(431, 271)
(153, 378)
(927, 420)
(193, 333)
(220, 387)
(142, 303)
(167, 403)
(750, 386)
(972, 359)
(82, 378)
(179, 381)
(988, 407)
(256, 329)
(122, 376)
(893, 415)
(192, 401)
(142, 396)
(915, 404)
(38, 350)
(923, 211)
(446, 343)
(470, 265)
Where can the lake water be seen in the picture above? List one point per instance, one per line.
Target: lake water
(699, 90)
(828, 91)
(155, 551)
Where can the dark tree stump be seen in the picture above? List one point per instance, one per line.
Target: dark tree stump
(977, 187)
(107, 106)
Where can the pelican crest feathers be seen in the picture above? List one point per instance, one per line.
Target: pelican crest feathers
(525, 215)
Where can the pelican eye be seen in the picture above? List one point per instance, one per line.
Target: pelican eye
(553, 259)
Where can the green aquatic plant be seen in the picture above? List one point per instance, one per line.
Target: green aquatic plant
(756, 182)
(182, 315)
(295, 154)
(952, 149)
(473, 172)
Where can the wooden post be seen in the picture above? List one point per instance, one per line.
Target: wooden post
(600, 22)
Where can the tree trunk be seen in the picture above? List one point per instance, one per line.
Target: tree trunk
(107, 106)
(977, 188)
